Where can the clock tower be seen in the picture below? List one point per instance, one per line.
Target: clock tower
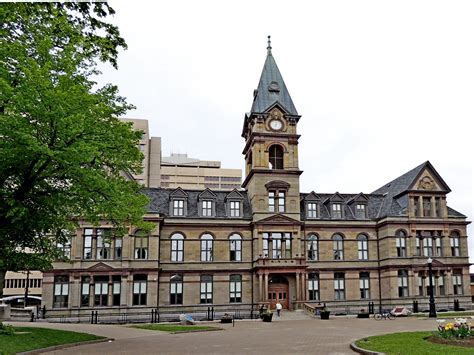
(271, 147)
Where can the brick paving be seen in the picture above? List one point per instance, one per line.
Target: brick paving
(282, 336)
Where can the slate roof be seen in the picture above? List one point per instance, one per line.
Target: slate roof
(267, 93)
(160, 203)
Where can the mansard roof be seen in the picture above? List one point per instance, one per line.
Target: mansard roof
(272, 89)
(160, 202)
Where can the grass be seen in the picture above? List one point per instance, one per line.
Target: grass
(445, 314)
(37, 338)
(175, 328)
(409, 344)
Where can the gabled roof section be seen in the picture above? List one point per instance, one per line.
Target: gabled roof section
(234, 195)
(360, 197)
(408, 181)
(312, 196)
(271, 88)
(337, 197)
(179, 192)
(207, 193)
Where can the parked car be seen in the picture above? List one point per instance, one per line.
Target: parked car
(19, 301)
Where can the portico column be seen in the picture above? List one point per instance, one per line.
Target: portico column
(433, 207)
(260, 287)
(420, 207)
(265, 293)
(297, 286)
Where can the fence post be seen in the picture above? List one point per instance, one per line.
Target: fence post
(43, 314)
(415, 306)
(212, 313)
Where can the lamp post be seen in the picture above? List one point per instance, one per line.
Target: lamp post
(432, 300)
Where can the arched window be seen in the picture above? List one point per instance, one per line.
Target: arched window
(455, 250)
(338, 247)
(177, 246)
(276, 157)
(235, 247)
(313, 247)
(363, 247)
(401, 243)
(206, 247)
(141, 244)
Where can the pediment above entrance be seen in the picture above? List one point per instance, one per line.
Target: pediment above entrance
(100, 267)
(278, 219)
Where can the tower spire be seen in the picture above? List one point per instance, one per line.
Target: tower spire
(269, 47)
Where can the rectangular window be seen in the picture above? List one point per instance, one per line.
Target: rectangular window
(176, 289)
(418, 245)
(336, 210)
(103, 246)
(276, 246)
(402, 283)
(312, 210)
(118, 248)
(271, 201)
(234, 208)
(65, 249)
(313, 287)
(101, 292)
(85, 291)
(364, 285)
(457, 282)
(401, 247)
(281, 202)
(428, 246)
(87, 244)
(116, 288)
(61, 291)
(139, 290)
(141, 247)
(265, 245)
(206, 289)
(421, 285)
(339, 286)
(454, 246)
(439, 247)
(441, 289)
(235, 248)
(235, 289)
(177, 248)
(206, 208)
(276, 201)
(178, 207)
(361, 211)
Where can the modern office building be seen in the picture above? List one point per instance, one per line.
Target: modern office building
(269, 241)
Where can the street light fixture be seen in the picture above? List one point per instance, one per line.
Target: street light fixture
(432, 300)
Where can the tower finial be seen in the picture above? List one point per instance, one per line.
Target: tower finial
(269, 48)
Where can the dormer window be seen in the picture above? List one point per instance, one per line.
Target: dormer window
(361, 211)
(234, 208)
(312, 210)
(178, 207)
(207, 208)
(336, 210)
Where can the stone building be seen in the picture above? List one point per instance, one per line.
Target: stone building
(269, 241)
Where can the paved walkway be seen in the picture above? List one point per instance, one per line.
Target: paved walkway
(282, 336)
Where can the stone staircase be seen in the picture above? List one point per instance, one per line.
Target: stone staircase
(298, 314)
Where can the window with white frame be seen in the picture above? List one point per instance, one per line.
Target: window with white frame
(457, 282)
(235, 288)
(207, 243)
(206, 208)
(85, 290)
(339, 286)
(313, 247)
(312, 210)
(101, 290)
(178, 207)
(338, 247)
(276, 201)
(336, 210)
(139, 290)
(363, 247)
(235, 247)
(234, 208)
(313, 287)
(176, 289)
(206, 289)
(401, 243)
(118, 248)
(440, 282)
(402, 283)
(454, 240)
(364, 285)
(177, 247)
(61, 291)
(103, 247)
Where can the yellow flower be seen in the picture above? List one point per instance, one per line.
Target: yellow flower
(449, 326)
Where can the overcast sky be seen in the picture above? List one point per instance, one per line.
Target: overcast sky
(382, 86)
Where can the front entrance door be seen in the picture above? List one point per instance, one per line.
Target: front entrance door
(278, 292)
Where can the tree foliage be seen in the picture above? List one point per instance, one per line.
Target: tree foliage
(63, 152)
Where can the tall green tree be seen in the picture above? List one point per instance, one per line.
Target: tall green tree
(63, 152)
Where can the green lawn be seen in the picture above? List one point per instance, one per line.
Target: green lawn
(175, 328)
(409, 344)
(37, 338)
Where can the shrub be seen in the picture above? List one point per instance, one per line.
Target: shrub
(6, 329)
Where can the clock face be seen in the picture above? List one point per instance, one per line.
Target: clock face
(276, 125)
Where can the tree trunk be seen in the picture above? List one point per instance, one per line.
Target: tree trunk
(3, 273)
